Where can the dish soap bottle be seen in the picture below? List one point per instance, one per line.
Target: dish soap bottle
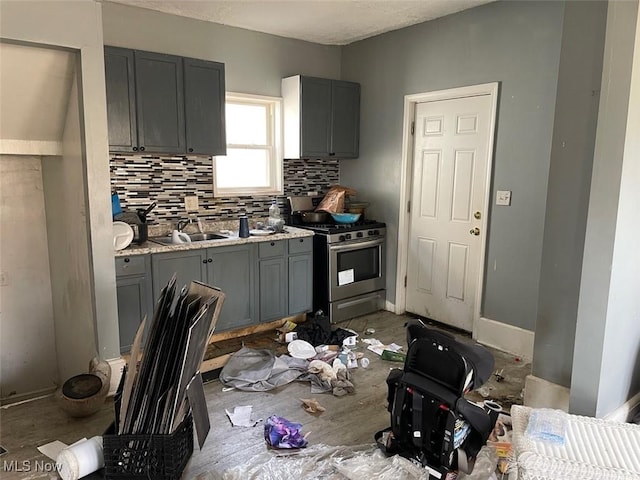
(275, 221)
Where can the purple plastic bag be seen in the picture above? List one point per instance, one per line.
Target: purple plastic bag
(281, 433)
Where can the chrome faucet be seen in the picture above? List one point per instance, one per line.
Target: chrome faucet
(182, 223)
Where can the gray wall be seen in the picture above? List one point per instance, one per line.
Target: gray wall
(568, 192)
(26, 364)
(515, 43)
(254, 62)
(606, 362)
(78, 26)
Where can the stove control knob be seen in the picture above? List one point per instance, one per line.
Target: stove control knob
(348, 236)
(369, 233)
(359, 234)
(341, 238)
(376, 232)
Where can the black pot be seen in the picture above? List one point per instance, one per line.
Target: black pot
(140, 233)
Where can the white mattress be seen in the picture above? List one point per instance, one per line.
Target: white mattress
(594, 449)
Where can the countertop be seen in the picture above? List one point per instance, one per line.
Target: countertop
(153, 247)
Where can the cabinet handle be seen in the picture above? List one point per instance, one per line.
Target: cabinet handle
(332, 154)
(301, 240)
(142, 149)
(204, 261)
(191, 150)
(127, 260)
(135, 149)
(272, 244)
(209, 260)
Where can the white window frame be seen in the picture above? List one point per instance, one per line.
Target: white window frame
(274, 132)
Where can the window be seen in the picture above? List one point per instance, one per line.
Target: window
(253, 164)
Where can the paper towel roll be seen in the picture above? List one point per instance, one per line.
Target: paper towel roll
(80, 459)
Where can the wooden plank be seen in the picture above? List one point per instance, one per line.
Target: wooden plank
(260, 327)
(214, 363)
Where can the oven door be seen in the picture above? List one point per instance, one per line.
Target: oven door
(356, 268)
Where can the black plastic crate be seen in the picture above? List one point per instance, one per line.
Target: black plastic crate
(157, 457)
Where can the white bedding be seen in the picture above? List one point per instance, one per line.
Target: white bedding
(594, 449)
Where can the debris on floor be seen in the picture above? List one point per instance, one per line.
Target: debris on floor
(241, 416)
(312, 406)
(282, 433)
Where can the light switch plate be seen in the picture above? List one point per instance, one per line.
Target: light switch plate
(503, 197)
(191, 203)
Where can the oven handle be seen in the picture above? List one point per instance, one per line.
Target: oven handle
(356, 245)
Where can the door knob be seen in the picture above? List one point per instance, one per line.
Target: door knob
(477, 215)
(475, 231)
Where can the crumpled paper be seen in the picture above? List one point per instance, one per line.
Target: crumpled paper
(241, 416)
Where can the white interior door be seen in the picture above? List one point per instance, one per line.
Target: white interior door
(449, 186)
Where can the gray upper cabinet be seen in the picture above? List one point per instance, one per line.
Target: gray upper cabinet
(345, 119)
(160, 103)
(121, 99)
(321, 117)
(204, 97)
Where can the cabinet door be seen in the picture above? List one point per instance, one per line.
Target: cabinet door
(188, 265)
(300, 283)
(204, 99)
(345, 119)
(160, 102)
(121, 99)
(233, 271)
(133, 304)
(273, 289)
(315, 117)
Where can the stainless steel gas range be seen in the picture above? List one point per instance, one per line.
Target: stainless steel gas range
(348, 268)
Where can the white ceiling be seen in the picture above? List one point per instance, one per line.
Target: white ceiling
(328, 22)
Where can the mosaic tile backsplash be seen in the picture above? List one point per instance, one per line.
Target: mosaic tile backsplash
(140, 180)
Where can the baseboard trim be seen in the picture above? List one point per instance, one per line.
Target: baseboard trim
(389, 306)
(541, 393)
(626, 411)
(508, 338)
(117, 366)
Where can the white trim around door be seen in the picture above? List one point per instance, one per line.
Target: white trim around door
(410, 102)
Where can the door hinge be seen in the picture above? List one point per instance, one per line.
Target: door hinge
(405, 281)
(409, 206)
(413, 127)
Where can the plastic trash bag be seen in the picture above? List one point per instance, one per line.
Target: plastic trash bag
(325, 462)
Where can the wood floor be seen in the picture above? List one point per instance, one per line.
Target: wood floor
(349, 420)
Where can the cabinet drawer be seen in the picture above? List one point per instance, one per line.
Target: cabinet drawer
(134, 265)
(271, 249)
(300, 245)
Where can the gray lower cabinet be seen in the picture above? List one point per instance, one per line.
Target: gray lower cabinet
(273, 280)
(232, 269)
(188, 265)
(135, 300)
(261, 282)
(300, 264)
